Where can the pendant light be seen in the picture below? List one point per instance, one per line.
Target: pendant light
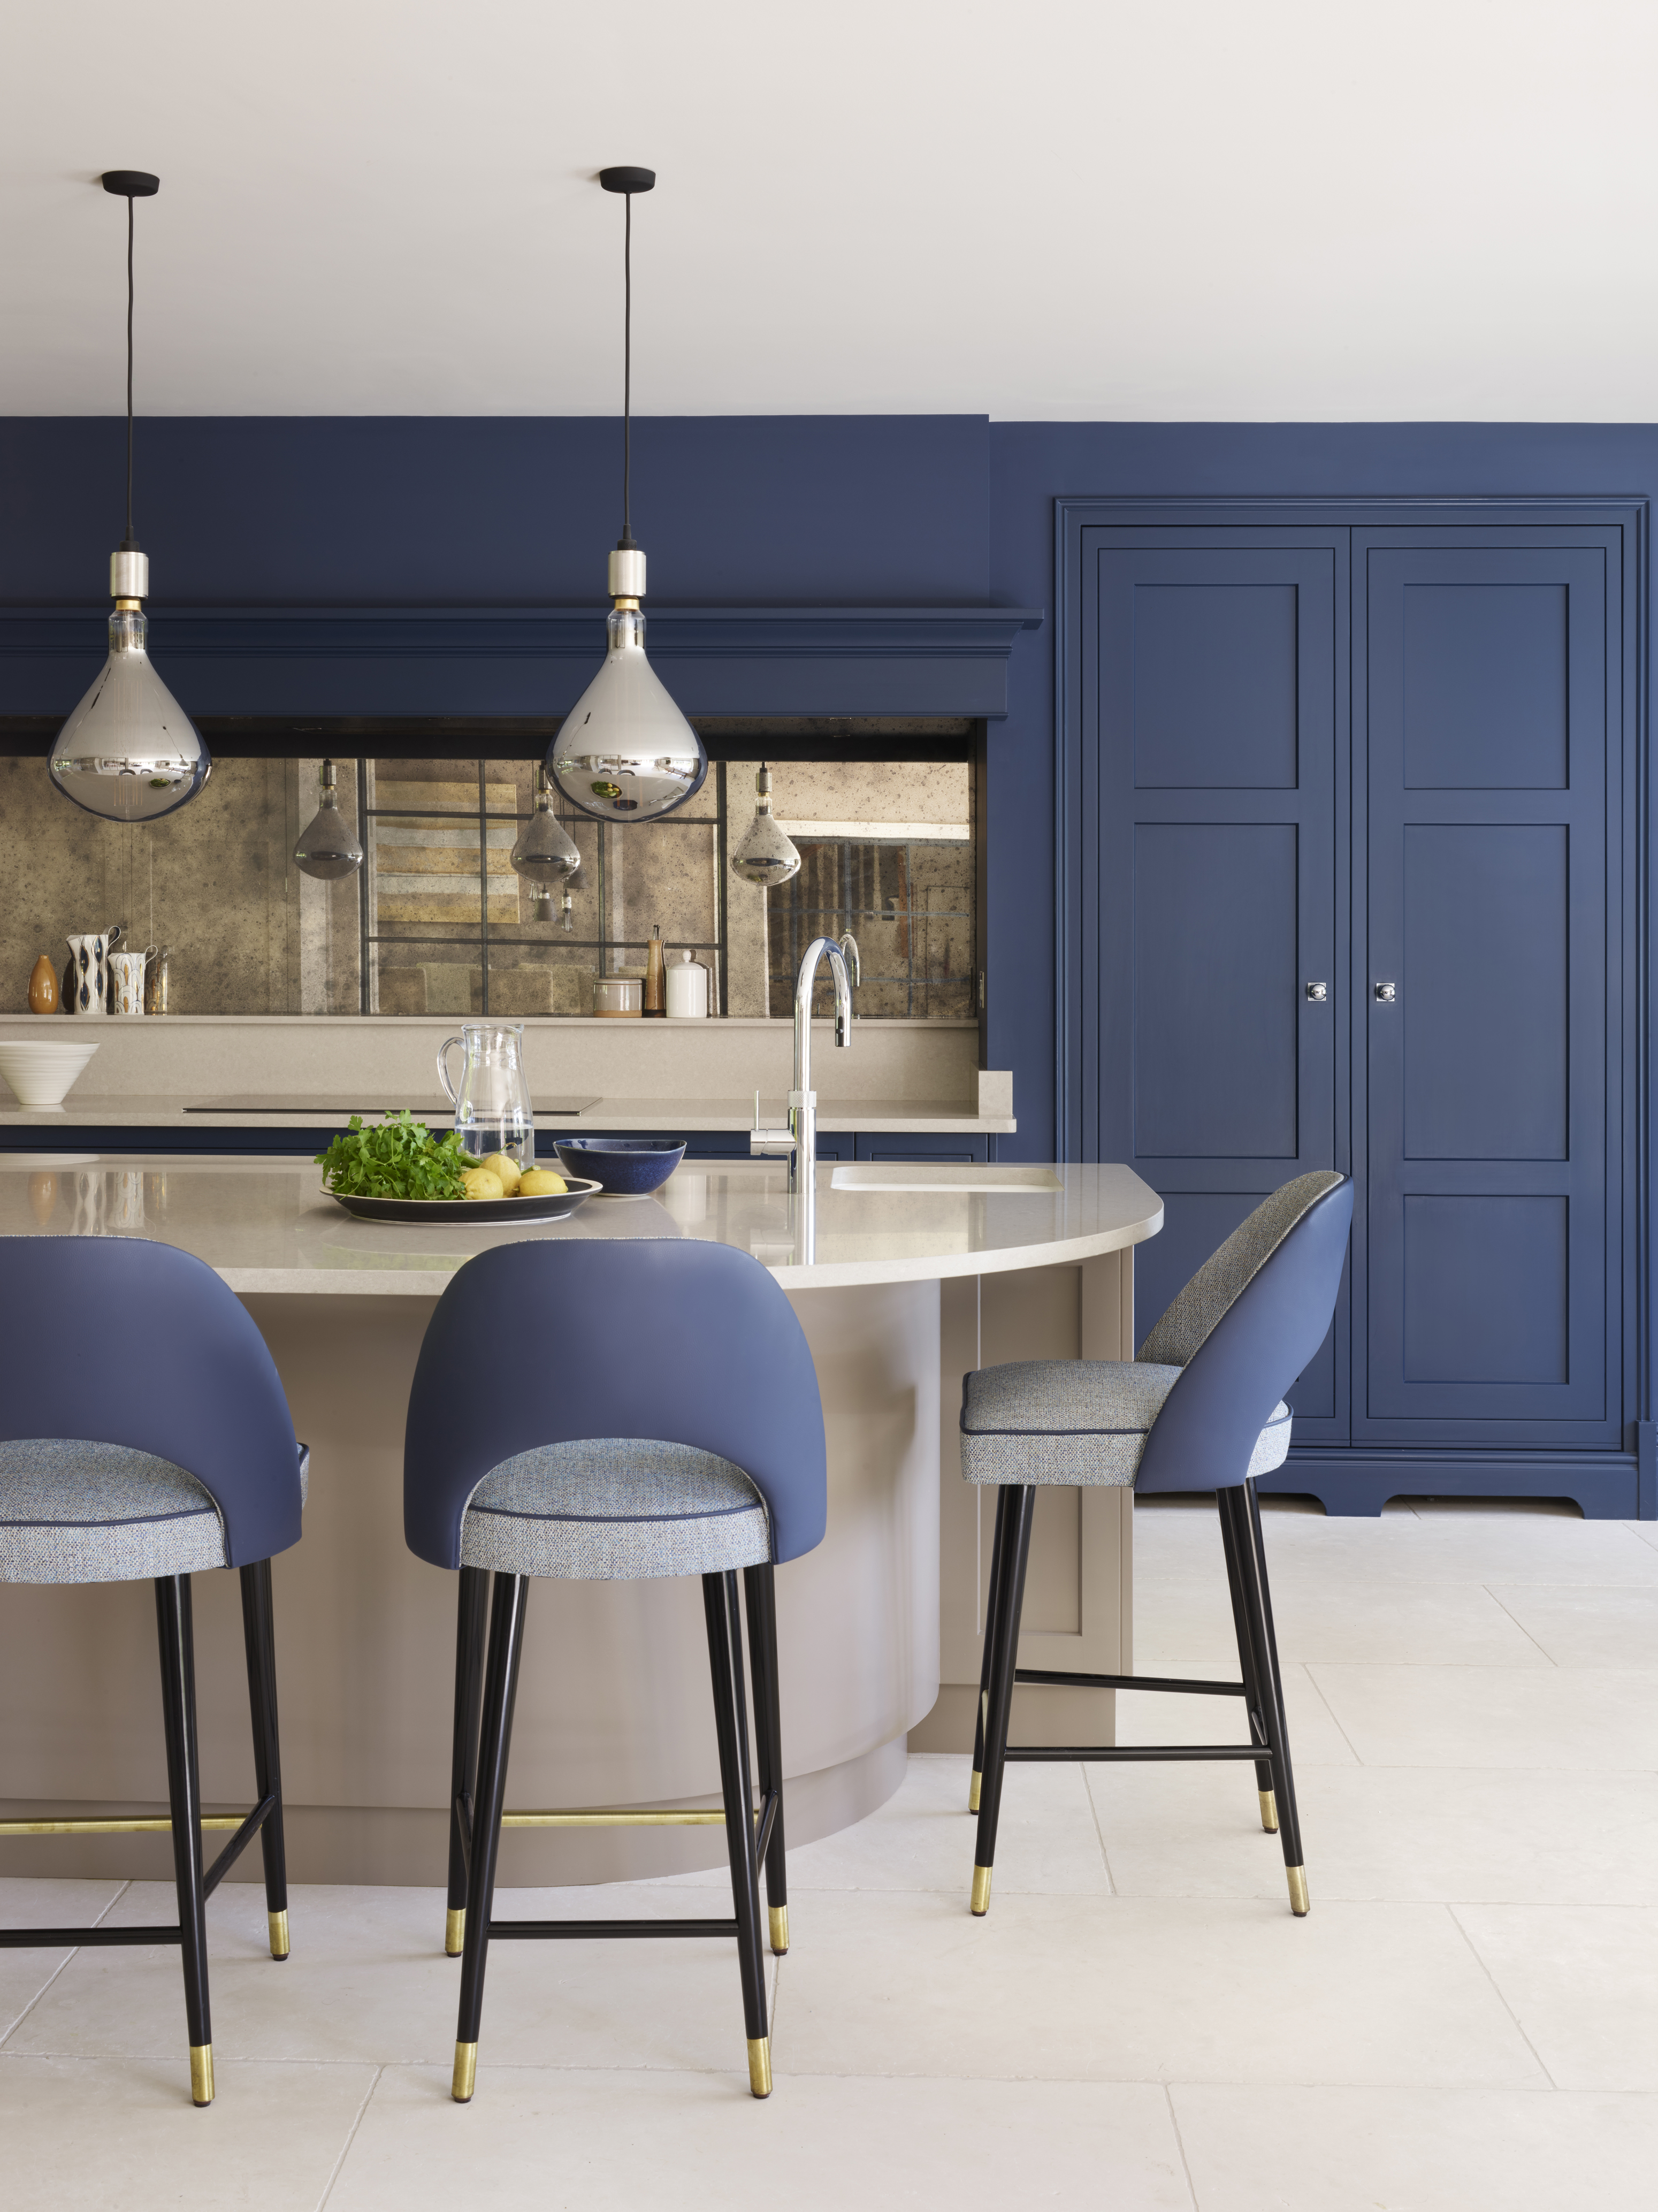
(767, 855)
(625, 752)
(327, 848)
(129, 752)
(546, 853)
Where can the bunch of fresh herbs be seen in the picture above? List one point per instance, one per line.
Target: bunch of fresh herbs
(399, 1160)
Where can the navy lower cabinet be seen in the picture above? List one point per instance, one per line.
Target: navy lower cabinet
(1352, 867)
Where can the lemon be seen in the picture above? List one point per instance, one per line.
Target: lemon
(482, 1183)
(504, 1165)
(542, 1182)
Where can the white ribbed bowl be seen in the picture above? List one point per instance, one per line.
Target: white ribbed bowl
(41, 1071)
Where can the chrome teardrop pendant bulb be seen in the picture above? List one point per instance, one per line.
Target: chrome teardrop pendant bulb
(767, 855)
(545, 854)
(129, 752)
(624, 752)
(327, 848)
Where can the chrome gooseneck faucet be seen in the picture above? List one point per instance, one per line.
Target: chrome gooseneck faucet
(799, 1140)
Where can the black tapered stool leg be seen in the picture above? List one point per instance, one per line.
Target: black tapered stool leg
(759, 1593)
(472, 1625)
(1002, 1632)
(1254, 1702)
(725, 1621)
(184, 1790)
(259, 1634)
(1252, 1561)
(495, 1737)
(974, 1784)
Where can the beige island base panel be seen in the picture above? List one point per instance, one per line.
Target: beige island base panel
(911, 1288)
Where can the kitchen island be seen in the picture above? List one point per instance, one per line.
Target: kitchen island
(613, 1707)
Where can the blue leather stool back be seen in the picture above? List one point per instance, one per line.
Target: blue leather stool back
(121, 1340)
(1250, 1352)
(673, 1339)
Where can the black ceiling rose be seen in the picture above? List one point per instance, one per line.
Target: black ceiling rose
(628, 180)
(131, 184)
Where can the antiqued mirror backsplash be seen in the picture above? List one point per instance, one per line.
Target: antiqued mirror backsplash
(436, 922)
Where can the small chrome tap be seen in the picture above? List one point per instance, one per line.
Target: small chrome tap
(799, 1140)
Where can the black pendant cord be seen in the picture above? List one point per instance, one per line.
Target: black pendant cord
(627, 537)
(130, 543)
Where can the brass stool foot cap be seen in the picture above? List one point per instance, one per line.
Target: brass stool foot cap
(466, 2073)
(973, 1791)
(1300, 1902)
(201, 2073)
(279, 1933)
(778, 1916)
(454, 1933)
(980, 1890)
(760, 2065)
(1268, 1811)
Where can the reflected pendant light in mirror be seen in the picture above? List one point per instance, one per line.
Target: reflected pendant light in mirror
(129, 752)
(767, 855)
(624, 752)
(546, 853)
(327, 848)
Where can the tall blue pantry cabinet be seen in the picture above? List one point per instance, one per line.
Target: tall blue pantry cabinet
(1350, 846)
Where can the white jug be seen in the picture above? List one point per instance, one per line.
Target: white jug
(87, 980)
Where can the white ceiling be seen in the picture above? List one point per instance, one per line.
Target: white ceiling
(1087, 209)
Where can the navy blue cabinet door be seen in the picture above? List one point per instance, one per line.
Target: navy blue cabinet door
(1213, 721)
(1487, 667)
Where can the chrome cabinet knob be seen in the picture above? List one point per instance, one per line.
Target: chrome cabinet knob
(1386, 993)
(1317, 994)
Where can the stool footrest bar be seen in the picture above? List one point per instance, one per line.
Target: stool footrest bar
(62, 1939)
(1162, 1682)
(580, 1931)
(145, 1824)
(1129, 1751)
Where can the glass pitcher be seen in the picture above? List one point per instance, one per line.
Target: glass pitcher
(492, 1113)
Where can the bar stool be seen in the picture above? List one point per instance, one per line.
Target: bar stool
(1201, 1407)
(575, 1459)
(144, 1434)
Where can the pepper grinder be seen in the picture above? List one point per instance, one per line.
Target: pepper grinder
(656, 982)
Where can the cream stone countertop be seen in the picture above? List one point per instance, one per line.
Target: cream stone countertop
(160, 1110)
(265, 1225)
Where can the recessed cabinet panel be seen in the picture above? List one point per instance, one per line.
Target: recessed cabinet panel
(1482, 999)
(1486, 1290)
(1215, 1014)
(1215, 686)
(1485, 686)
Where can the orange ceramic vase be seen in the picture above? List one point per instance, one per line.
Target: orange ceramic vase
(43, 988)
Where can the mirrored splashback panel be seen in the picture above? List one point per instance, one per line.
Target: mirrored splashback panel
(436, 922)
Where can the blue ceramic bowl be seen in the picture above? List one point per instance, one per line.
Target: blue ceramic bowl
(627, 1167)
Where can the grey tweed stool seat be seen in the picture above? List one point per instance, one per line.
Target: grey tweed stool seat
(74, 1511)
(615, 1509)
(1201, 1408)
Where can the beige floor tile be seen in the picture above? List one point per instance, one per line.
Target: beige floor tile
(368, 1982)
(1417, 2150)
(1586, 1625)
(122, 2133)
(1440, 1624)
(38, 1904)
(922, 1836)
(1578, 1717)
(616, 2141)
(1118, 1989)
(1492, 1835)
(1582, 1981)
(1152, 1717)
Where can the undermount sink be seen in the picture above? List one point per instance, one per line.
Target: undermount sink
(946, 1174)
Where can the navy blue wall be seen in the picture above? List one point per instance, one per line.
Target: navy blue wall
(853, 510)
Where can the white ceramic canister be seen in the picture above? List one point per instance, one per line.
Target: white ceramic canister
(617, 997)
(126, 987)
(687, 990)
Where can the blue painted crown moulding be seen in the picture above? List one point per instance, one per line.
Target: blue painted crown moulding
(389, 661)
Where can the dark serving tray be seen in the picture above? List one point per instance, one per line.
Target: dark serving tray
(429, 1210)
